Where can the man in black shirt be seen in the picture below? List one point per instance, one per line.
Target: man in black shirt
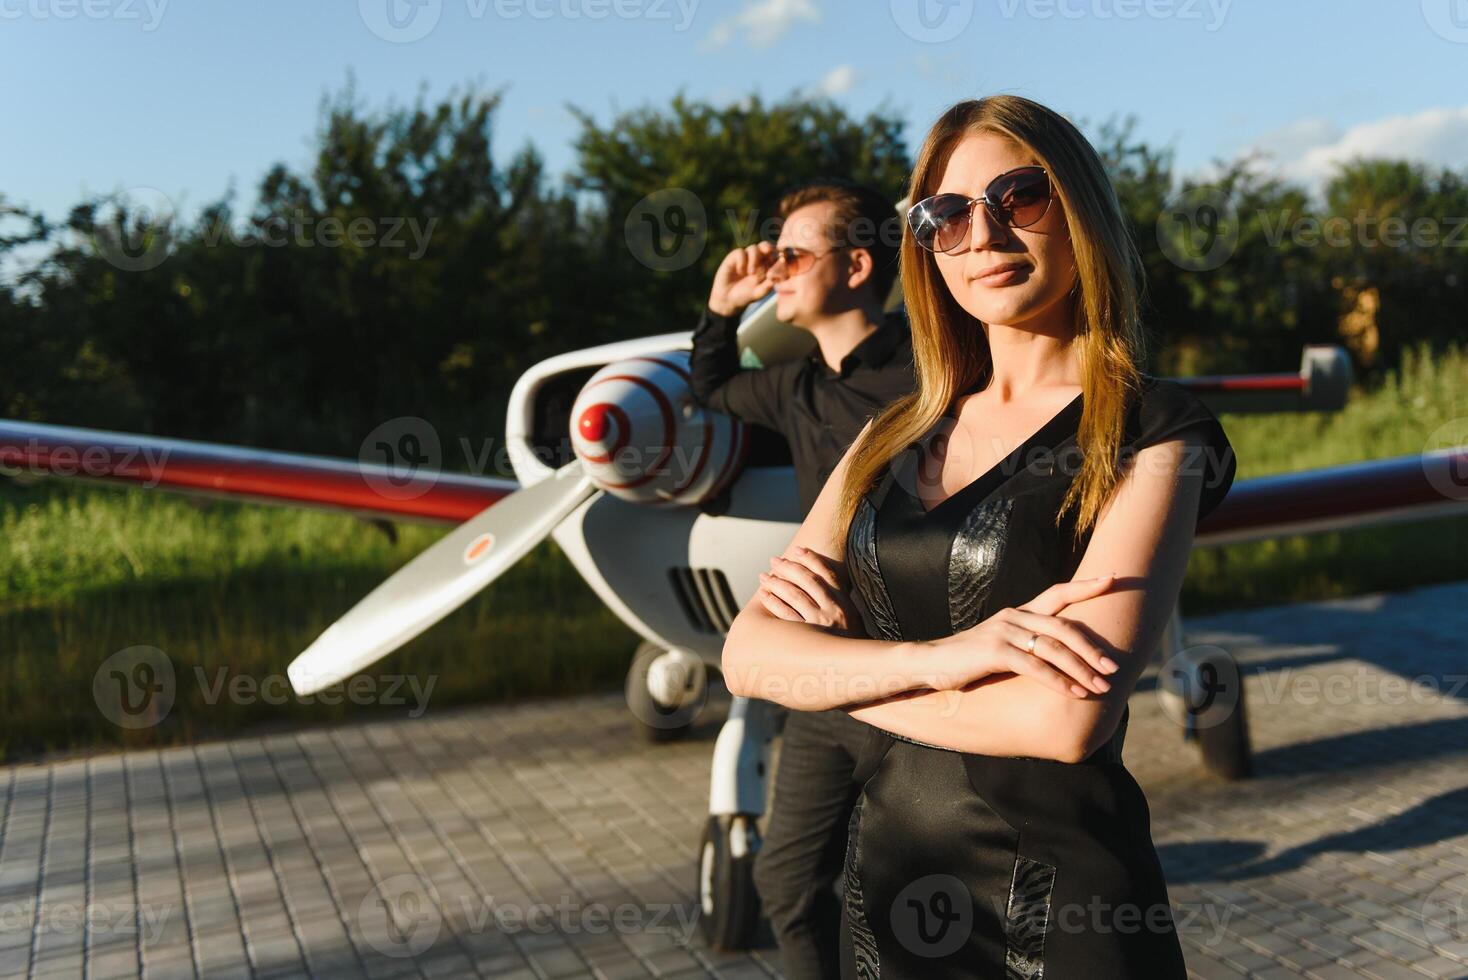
(832, 268)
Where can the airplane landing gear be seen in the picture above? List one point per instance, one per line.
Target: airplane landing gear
(1201, 688)
(667, 688)
(739, 787)
(729, 905)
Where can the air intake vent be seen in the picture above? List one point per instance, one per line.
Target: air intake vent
(705, 597)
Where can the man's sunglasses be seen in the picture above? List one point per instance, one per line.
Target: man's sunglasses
(1016, 198)
(797, 260)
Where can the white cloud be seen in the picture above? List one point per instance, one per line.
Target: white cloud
(838, 81)
(1308, 151)
(721, 35)
(1293, 141)
(762, 22)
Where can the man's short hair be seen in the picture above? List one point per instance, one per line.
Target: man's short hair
(864, 218)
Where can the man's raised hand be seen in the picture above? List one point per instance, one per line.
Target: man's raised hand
(743, 277)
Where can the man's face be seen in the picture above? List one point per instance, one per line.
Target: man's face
(825, 288)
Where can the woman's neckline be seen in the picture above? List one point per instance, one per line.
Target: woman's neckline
(1005, 466)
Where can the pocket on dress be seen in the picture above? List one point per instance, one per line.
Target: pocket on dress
(874, 746)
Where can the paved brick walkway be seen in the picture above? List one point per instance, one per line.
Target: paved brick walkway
(1346, 857)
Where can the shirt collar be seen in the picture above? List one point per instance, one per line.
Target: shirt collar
(873, 351)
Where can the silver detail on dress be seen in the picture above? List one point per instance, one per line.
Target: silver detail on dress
(866, 574)
(863, 942)
(1027, 919)
(973, 560)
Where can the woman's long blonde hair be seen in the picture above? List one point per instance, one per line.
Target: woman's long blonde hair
(950, 350)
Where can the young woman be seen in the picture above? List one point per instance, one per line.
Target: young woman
(1013, 538)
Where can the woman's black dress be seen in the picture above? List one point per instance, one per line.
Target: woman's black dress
(968, 865)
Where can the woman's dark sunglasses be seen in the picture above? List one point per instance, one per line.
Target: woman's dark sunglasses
(1016, 198)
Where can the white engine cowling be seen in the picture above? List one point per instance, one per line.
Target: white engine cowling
(642, 436)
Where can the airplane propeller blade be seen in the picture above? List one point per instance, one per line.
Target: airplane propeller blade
(441, 579)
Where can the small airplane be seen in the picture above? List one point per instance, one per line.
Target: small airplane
(669, 511)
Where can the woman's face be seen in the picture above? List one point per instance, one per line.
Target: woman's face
(1042, 252)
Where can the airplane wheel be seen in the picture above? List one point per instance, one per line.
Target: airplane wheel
(730, 907)
(1202, 689)
(666, 690)
(1225, 746)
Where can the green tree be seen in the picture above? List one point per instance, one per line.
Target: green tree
(736, 160)
(1400, 231)
(286, 327)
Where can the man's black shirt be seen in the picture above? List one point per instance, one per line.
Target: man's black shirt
(817, 410)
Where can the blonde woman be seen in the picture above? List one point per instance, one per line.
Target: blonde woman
(1013, 537)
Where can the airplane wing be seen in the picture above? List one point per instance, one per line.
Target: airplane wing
(373, 490)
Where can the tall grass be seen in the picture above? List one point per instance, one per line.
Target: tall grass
(1398, 417)
(242, 589)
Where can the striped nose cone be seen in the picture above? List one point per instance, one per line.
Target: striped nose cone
(602, 429)
(641, 436)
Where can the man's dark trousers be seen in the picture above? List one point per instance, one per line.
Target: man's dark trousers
(805, 842)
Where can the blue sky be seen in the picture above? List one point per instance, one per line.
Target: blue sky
(187, 97)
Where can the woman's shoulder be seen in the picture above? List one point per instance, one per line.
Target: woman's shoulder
(1163, 409)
